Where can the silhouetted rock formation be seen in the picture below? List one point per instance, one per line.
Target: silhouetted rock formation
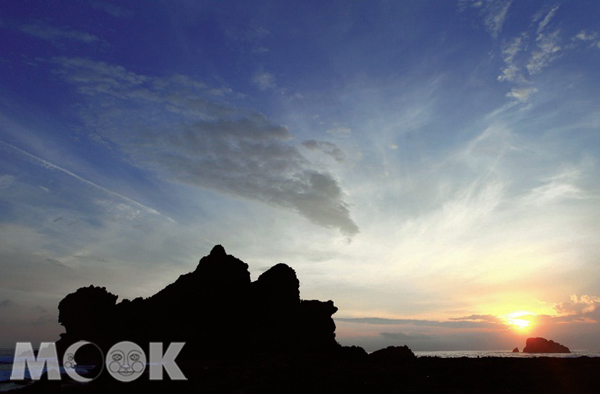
(392, 354)
(542, 345)
(353, 353)
(216, 310)
(87, 314)
(515, 350)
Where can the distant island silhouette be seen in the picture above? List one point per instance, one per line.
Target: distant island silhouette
(543, 345)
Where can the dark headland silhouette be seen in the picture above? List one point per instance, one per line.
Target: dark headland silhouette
(261, 337)
(216, 310)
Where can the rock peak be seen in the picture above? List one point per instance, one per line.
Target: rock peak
(218, 251)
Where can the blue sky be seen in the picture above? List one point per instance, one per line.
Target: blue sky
(431, 166)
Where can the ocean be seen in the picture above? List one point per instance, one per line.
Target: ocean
(6, 364)
(6, 360)
(503, 353)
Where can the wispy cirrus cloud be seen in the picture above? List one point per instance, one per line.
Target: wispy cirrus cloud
(339, 131)
(521, 94)
(494, 13)
(6, 181)
(264, 80)
(545, 20)
(54, 34)
(561, 186)
(510, 50)
(549, 48)
(111, 9)
(177, 128)
(548, 43)
(586, 35)
(529, 53)
(590, 37)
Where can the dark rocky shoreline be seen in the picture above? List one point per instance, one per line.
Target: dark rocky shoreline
(322, 374)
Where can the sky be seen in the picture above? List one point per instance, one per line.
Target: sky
(430, 166)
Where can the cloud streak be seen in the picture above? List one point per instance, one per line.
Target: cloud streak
(54, 35)
(51, 166)
(467, 322)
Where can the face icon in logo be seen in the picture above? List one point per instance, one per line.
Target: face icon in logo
(126, 361)
(69, 361)
(93, 358)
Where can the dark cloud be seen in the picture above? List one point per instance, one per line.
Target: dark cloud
(400, 336)
(54, 263)
(44, 320)
(449, 341)
(177, 127)
(480, 318)
(452, 323)
(326, 147)
(6, 303)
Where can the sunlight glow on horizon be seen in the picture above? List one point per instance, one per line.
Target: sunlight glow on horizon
(517, 321)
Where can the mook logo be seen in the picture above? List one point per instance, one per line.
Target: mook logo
(125, 361)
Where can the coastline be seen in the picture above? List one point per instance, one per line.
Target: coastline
(320, 374)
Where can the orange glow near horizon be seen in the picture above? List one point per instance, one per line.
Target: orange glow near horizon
(520, 320)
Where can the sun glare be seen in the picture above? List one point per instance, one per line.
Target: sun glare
(520, 320)
(519, 323)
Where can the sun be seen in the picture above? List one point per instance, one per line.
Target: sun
(521, 324)
(520, 320)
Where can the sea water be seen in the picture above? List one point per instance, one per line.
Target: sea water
(503, 353)
(6, 363)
